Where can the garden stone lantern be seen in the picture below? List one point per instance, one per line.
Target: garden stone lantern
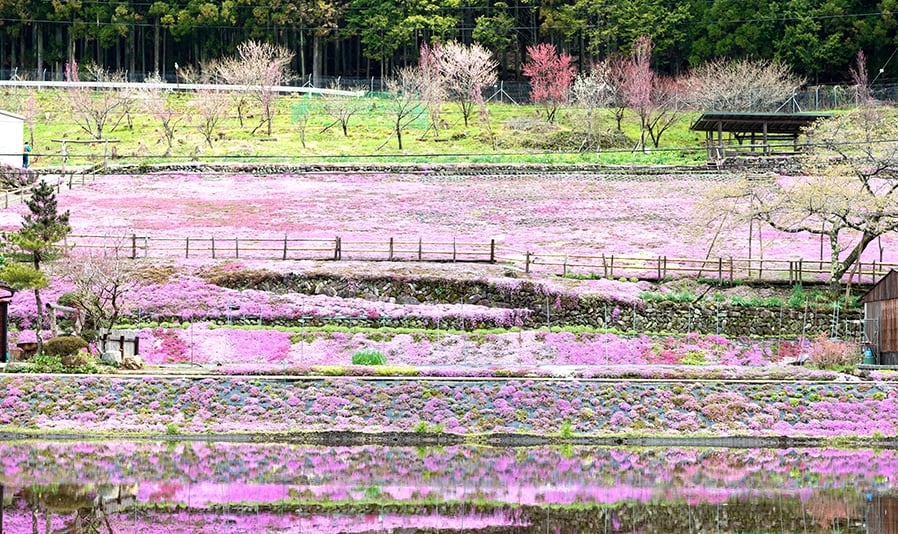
(6, 294)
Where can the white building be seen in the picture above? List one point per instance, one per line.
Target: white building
(12, 136)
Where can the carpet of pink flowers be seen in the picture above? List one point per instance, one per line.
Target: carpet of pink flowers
(205, 478)
(210, 336)
(540, 406)
(619, 214)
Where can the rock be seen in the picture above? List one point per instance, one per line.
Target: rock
(132, 362)
(112, 357)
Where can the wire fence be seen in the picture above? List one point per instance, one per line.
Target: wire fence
(811, 98)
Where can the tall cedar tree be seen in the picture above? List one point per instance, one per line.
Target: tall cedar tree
(37, 240)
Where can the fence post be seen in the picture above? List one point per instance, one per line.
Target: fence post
(146, 245)
(213, 247)
(800, 273)
(338, 253)
(659, 268)
(604, 266)
(527, 262)
(453, 250)
(612, 266)
(133, 246)
(419, 249)
(492, 251)
(285, 247)
(236, 247)
(731, 269)
(390, 258)
(719, 268)
(136, 345)
(187, 248)
(664, 271)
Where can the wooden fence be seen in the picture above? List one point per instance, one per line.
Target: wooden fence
(663, 267)
(59, 181)
(286, 248)
(393, 249)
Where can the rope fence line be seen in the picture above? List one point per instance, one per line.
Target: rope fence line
(597, 265)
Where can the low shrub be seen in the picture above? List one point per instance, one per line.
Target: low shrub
(43, 363)
(369, 357)
(827, 353)
(64, 345)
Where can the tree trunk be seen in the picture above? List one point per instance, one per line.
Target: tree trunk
(39, 46)
(40, 320)
(156, 45)
(838, 269)
(316, 60)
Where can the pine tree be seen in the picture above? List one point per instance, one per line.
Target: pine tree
(35, 242)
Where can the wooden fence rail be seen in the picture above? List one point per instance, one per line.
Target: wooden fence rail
(721, 268)
(393, 249)
(285, 248)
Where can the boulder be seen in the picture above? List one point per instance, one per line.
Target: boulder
(112, 357)
(132, 362)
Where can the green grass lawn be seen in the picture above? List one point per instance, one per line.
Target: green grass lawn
(515, 134)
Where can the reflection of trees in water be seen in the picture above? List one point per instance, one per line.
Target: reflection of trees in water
(83, 508)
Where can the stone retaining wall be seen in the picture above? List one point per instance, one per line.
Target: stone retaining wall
(549, 406)
(555, 309)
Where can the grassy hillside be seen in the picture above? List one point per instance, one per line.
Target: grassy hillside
(513, 134)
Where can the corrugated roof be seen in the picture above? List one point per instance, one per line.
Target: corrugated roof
(777, 123)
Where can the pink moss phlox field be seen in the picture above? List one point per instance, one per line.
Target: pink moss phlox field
(623, 215)
(109, 404)
(203, 343)
(190, 298)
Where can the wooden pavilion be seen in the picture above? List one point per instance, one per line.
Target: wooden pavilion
(753, 134)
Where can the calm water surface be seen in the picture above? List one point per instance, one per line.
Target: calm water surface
(175, 487)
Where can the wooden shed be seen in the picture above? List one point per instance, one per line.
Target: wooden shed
(752, 134)
(881, 318)
(12, 135)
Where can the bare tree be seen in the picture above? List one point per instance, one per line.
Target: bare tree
(404, 89)
(210, 107)
(654, 98)
(301, 114)
(341, 108)
(231, 71)
(740, 85)
(261, 68)
(102, 285)
(96, 111)
(666, 108)
(432, 83)
(616, 72)
(467, 70)
(862, 92)
(159, 104)
(267, 67)
(30, 111)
